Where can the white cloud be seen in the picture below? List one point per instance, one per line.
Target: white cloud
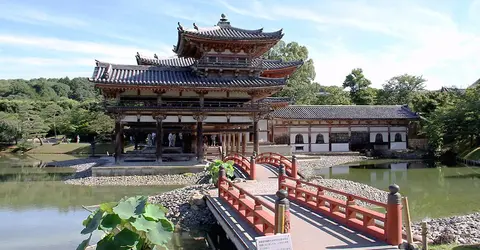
(101, 51)
(22, 13)
(425, 41)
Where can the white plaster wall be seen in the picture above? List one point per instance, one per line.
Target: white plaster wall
(378, 129)
(239, 95)
(189, 94)
(216, 119)
(359, 129)
(398, 145)
(262, 136)
(216, 94)
(319, 130)
(298, 129)
(169, 119)
(340, 129)
(281, 149)
(305, 147)
(129, 118)
(340, 147)
(320, 147)
(188, 119)
(240, 119)
(326, 137)
(384, 135)
(174, 93)
(292, 137)
(262, 125)
(398, 129)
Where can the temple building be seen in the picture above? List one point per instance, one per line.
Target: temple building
(216, 94)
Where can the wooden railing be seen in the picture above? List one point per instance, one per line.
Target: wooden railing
(384, 226)
(276, 159)
(248, 166)
(258, 213)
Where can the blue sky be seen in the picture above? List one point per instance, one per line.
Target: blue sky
(439, 39)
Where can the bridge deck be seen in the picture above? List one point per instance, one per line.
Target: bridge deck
(310, 230)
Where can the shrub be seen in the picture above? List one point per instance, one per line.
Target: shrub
(131, 223)
(214, 168)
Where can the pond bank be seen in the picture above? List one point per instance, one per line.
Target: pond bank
(307, 167)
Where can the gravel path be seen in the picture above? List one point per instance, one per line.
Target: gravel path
(146, 180)
(307, 167)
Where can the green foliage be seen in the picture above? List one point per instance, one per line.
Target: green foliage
(401, 89)
(300, 86)
(360, 92)
(132, 223)
(332, 95)
(213, 169)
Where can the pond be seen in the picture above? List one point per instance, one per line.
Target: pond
(35, 204)
(433, 191)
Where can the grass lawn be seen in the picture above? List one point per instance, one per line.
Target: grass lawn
(454, 247)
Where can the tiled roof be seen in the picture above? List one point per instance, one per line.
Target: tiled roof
(223, 30)
(326, 112)
(276, 100)
(169, 62)
(186, 62)
(279, 64)
(172, 77)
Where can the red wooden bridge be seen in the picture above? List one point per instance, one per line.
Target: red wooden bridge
(316, 217)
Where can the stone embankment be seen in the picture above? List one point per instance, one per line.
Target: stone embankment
(463, 229)
(83, 167)
(307, 167)
(186, 207)
(146, 180)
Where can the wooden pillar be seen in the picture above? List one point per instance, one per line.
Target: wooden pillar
(309, 137)
(256, 147)
(200, 118)
(118, 150)
(159, 137)
(237, 148)
(222, 138)
(330, 138)
(349, 138)
(234, 143)
(122, 139)
(388, 129)
(272, 140)
(244, 143)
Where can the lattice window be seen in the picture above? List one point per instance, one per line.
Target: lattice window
(379, 137)
(398, 137)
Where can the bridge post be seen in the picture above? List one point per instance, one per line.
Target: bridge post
(253, 174)
(281, 176)
(221, 176)
(393, 229)
(294, 167)
(282, 212)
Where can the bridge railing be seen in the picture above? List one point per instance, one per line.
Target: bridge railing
(258, 213)
(277, 160)
(248, 166)
(384, 226)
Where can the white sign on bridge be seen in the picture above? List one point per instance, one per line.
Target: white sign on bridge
(274, 242)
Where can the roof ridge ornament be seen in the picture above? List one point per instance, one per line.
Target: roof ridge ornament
(180, 27)
(195, 26)
(155, 56)
(223, 21)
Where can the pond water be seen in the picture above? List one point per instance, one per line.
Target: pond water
(35, 204)
(433, 191)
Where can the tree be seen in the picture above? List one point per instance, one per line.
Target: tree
(9, 130)
(51, 113)
(30, 123)
(400, 89)
(360, 92)
(332, 95)
(300, 86)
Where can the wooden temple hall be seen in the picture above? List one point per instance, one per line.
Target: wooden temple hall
(213, 93)
(215, 97)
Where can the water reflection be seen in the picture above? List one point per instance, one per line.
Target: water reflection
(35, 202)
(433, 191)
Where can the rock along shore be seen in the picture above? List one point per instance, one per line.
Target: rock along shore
(307, 167)
(145, 180)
